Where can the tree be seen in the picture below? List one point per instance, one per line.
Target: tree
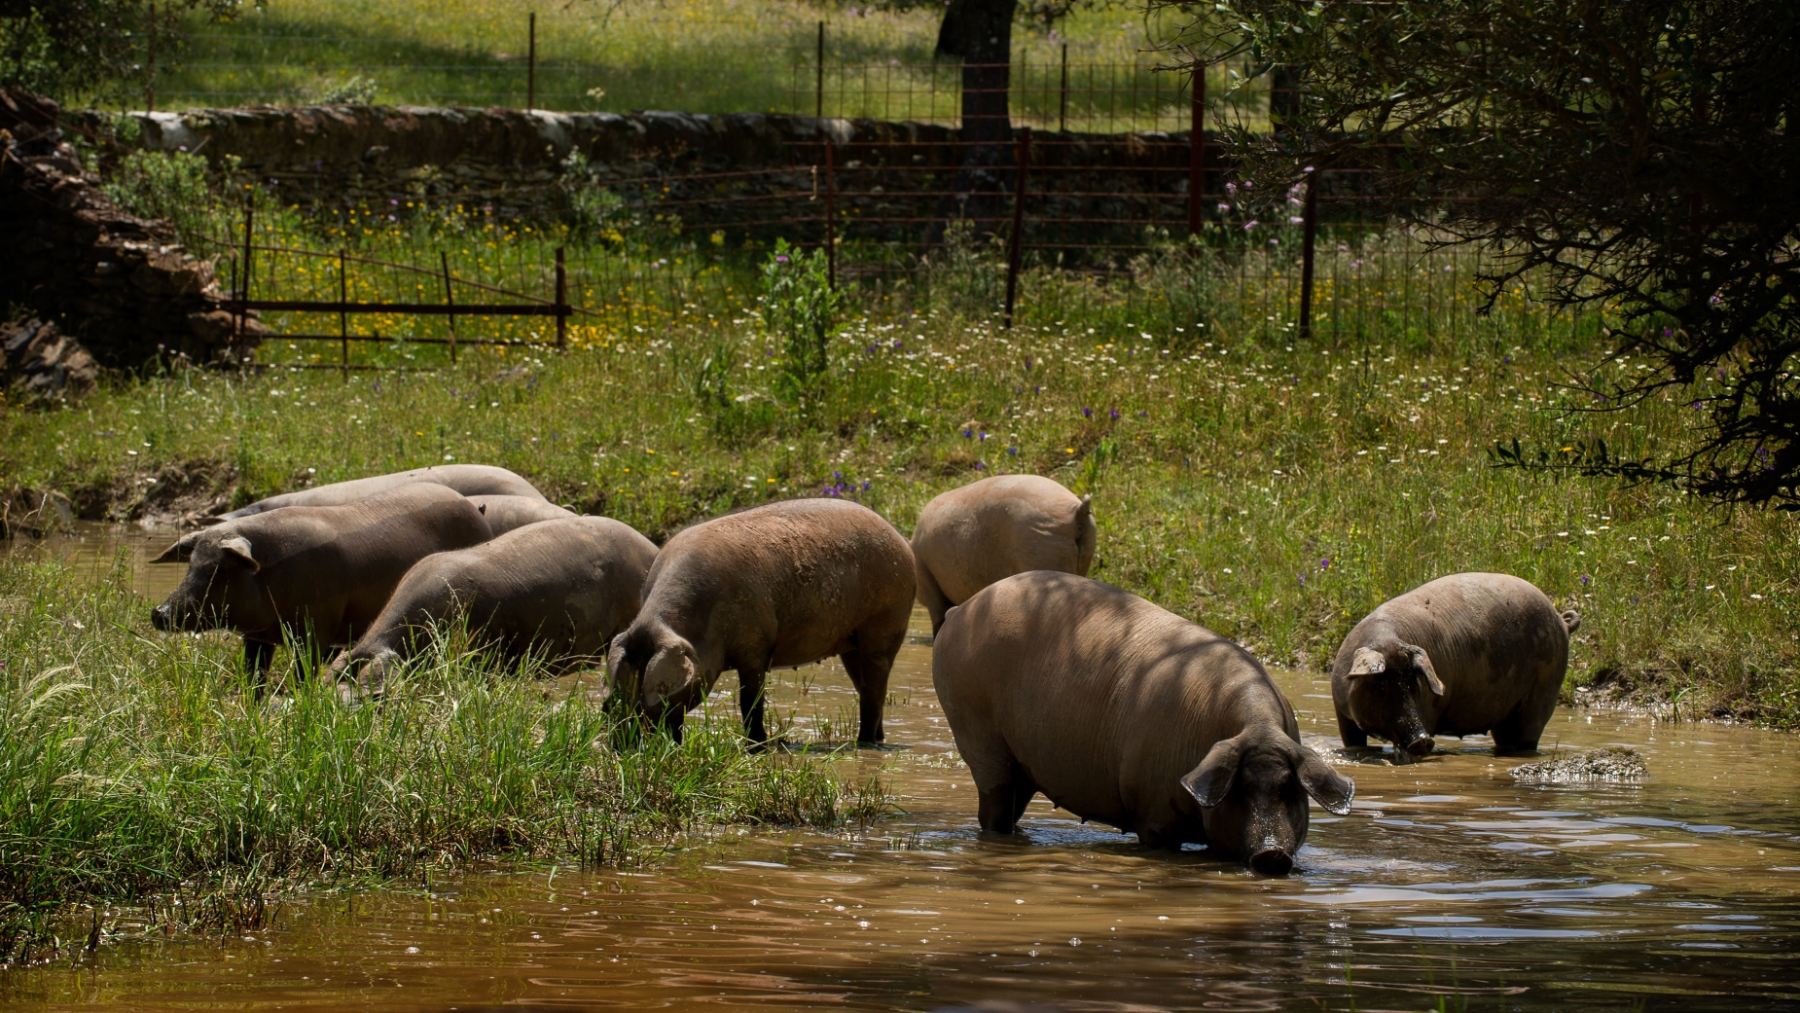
(1639, 156)
(88, 47)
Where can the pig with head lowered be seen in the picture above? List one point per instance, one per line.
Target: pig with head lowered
(506, 513)
(776, 585)
(318, 572)
(989, 530)
(467, 479)
(559, 588)
(1460, 655)
(1121, 712)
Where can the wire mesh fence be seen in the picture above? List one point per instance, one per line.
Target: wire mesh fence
(1099, 189)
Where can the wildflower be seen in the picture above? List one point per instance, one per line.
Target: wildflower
(1585, 580)
(1068, 450)
(781, 258)
(980, 465)
(1012, 451)
(1325, 563)
(1296, 220)
(1251, 224)
(1086, 412)
(1224, 208)
(1113, 414)
(1231, 188)
(1717, 299)
(968, 433)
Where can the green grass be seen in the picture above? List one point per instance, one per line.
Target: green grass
(692, 55)
(1273, 489)
(141, 770)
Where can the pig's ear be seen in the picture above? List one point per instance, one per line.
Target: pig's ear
(239, 546)
(1367, 661)
(1210, 781)
(669, 672)
(181, 551)
(1326, 786)
(1423, 662)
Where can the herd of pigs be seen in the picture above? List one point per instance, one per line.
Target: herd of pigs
(1117, 710)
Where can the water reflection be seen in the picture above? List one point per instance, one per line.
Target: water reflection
(1447, 883)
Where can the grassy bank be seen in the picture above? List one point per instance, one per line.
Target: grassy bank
(139, 770)
(1274, 491)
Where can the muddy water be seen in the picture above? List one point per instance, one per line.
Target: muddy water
(1448, 886)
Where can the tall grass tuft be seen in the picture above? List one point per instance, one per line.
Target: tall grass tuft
(134, 768)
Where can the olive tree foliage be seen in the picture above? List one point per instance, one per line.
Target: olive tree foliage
(1639, 157)
(91, 48)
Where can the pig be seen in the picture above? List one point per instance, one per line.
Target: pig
(318, 572)
(507, 513)
(558, 588)
(985, 531)
(776, 585)
(467, 479)
(1463, 654)
(1121, 712)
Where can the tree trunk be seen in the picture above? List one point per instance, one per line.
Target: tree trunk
(979, 32)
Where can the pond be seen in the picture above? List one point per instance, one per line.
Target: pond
(1449, 886)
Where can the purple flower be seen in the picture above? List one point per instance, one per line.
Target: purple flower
(982, 435)
(837, 476)
(781, 258)
(1028, 363)
(1086, 412)
(1303, 580)
(1296, 220)
(1224, 208)
(1012, 451)
(1585, 580)
(1039, 389)
(866, 484)
(1325, 563)
(1251, 224)
(394, 201)
(1231, 188)
(1114, 414)
(1717, 299)
(980, 465)
(968, 433)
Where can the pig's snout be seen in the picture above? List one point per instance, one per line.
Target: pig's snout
(1421, 745)
(1272, 861)
(162, 617)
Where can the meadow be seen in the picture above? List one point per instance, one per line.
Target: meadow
(1272, 487)
(691, 55)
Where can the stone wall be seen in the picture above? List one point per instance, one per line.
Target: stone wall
(117, 283)
(716, 170)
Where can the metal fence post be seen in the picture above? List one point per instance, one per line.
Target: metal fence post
(343, 316)
(830, 214)
(1308, 237)
(449, 303)
(819, 81)
(531, 61)
(1015, 242)
(244, 291)
(1062, 108)
(150, 62)
(562, 302)
(1196, 148)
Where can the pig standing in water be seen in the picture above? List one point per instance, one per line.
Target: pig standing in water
(1122, 712)
(509, 513)
(321, 572)
(1463, 654)
(776, 585)
(467, 479)
(561, 588)
(989, 530)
